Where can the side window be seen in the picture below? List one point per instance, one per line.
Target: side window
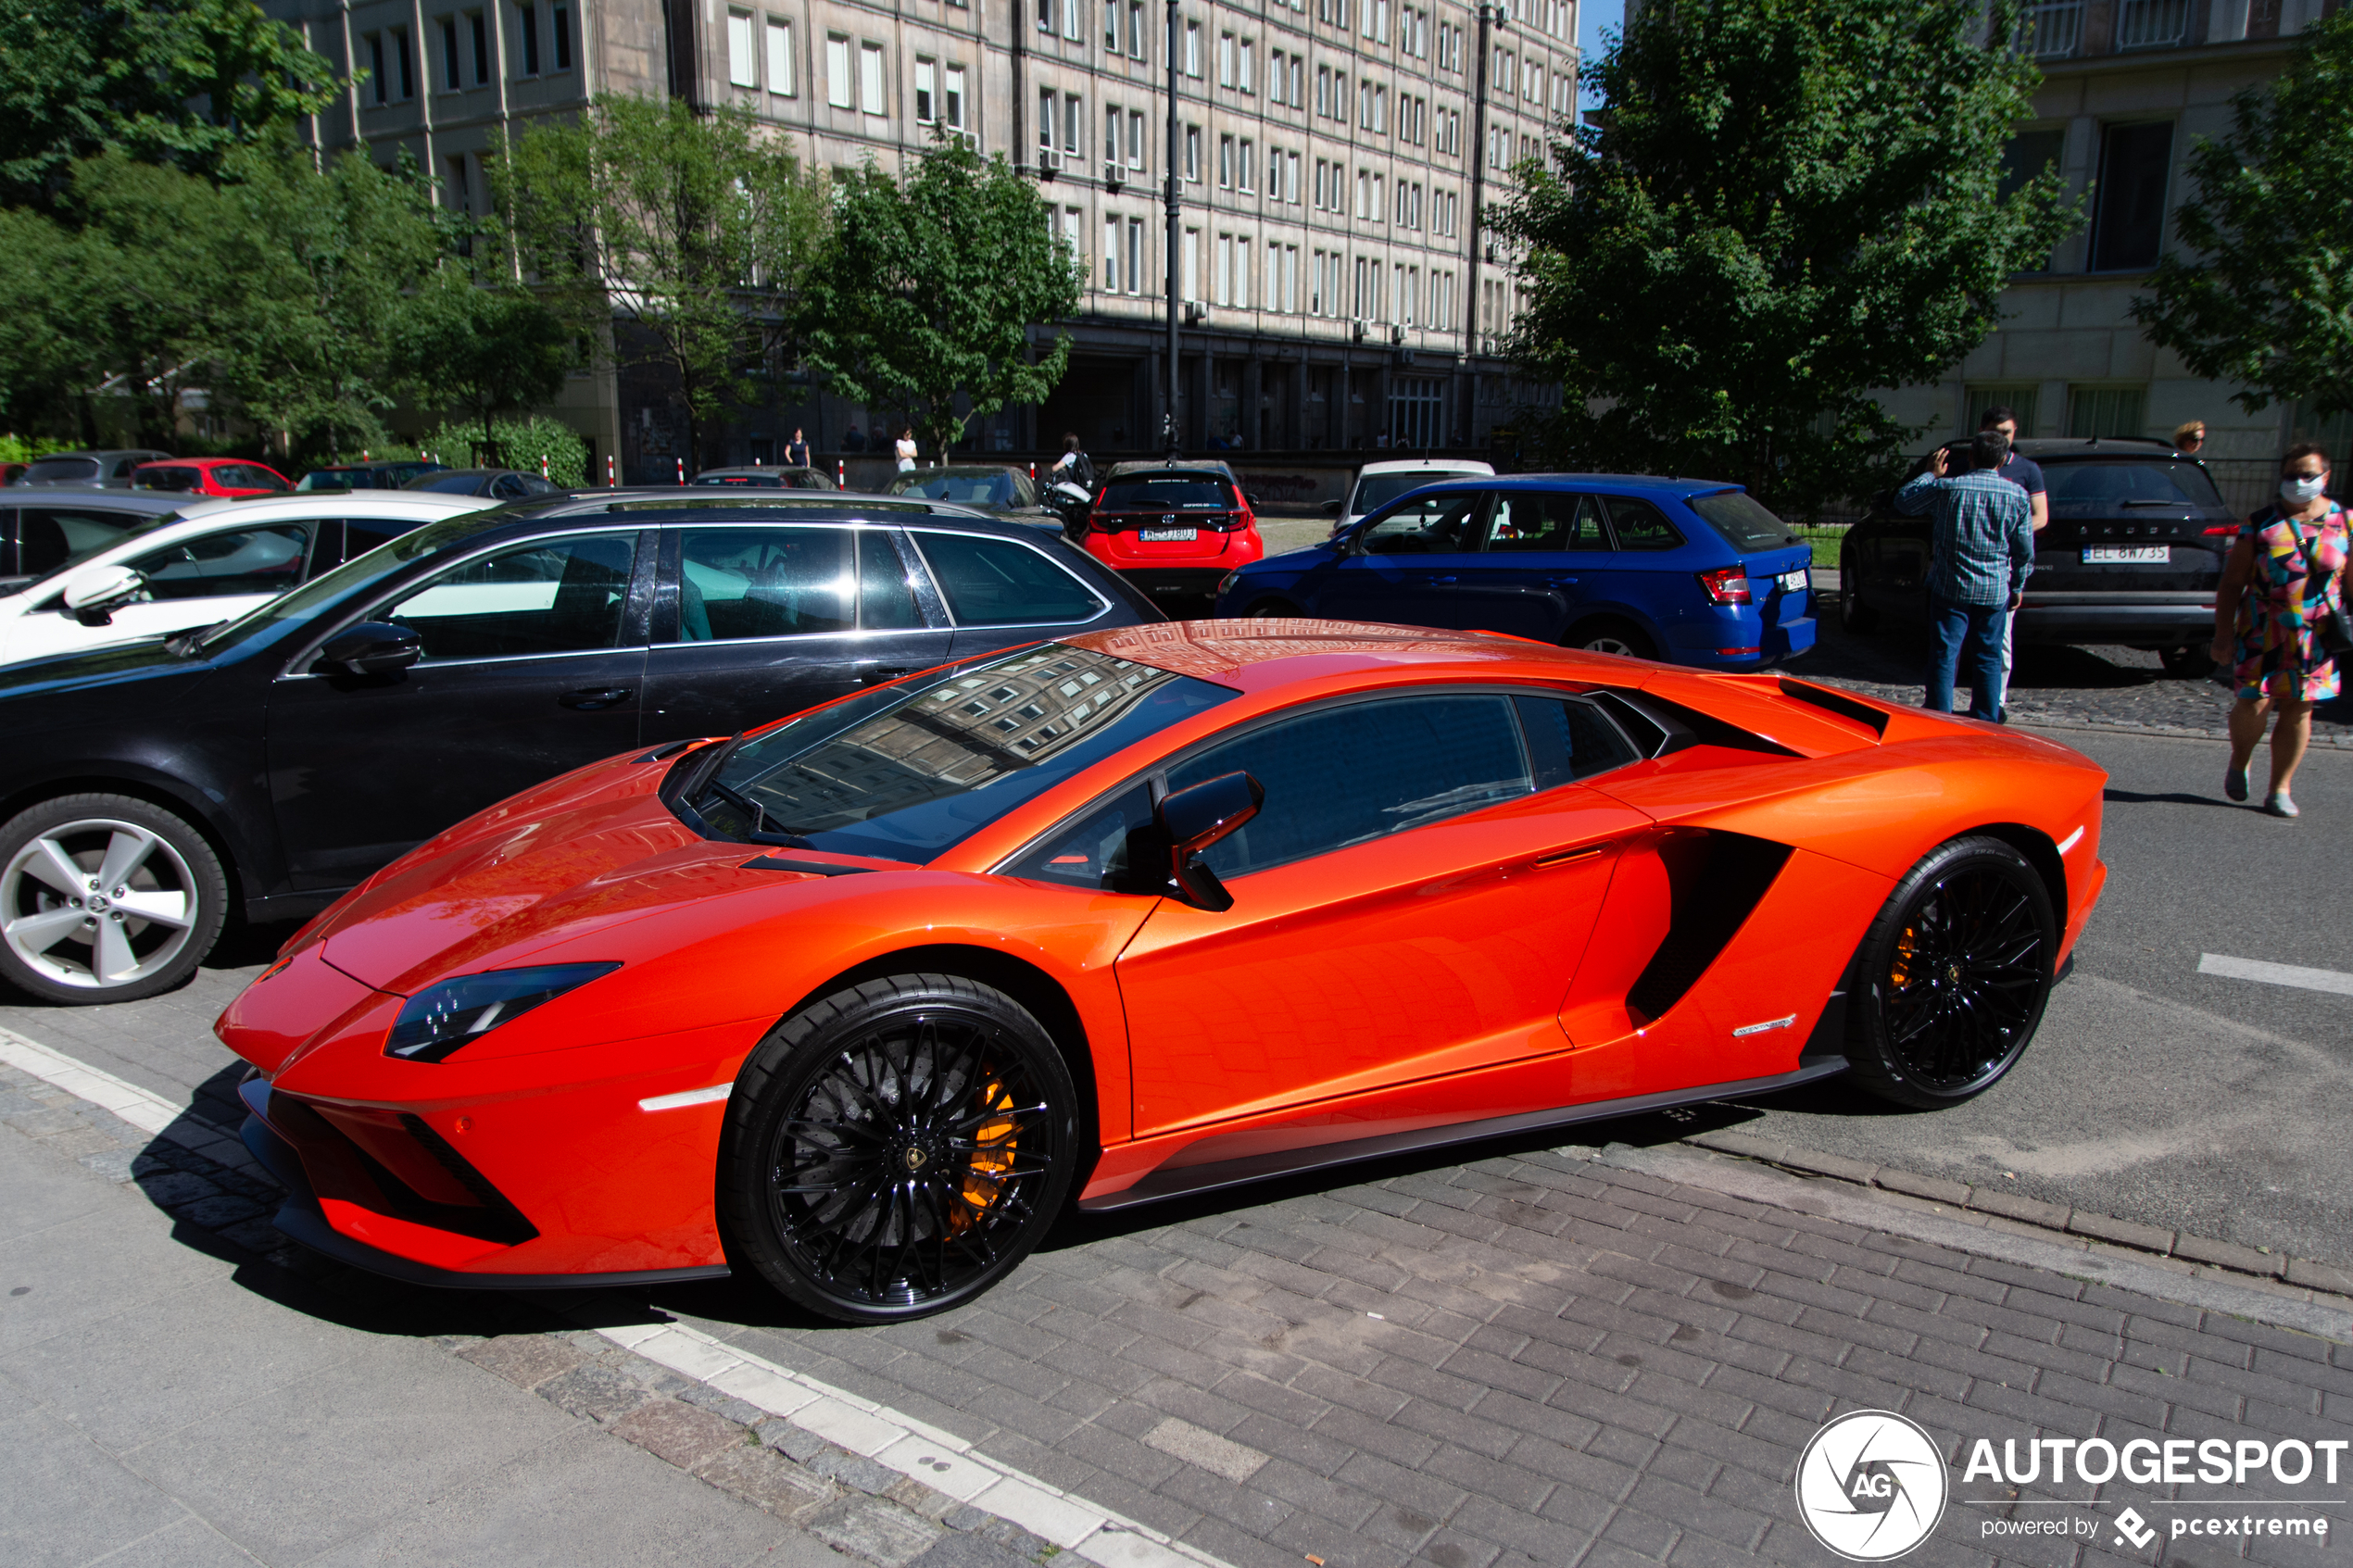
(1569, 739)
(1433, 525)
(886, 597)
(1118, 849)
(1357, 772)
(997, 582)
(1642, 526)
(250, 560)
(738, 583)
(507, 487)
(48, 535)
(364, 534)
(1547, 521)
(550, 596)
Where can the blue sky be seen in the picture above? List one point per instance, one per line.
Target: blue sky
(1593, 15)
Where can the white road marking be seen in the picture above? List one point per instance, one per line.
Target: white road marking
(2276, 973)
(144, 1109)
(692, 1096)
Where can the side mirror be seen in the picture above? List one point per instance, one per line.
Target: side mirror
(1194, 819)
(372, 648)
(93, 595)
(1332, 508)
(1255, 504)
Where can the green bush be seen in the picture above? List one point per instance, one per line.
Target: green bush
(516, 444)
(17, 449)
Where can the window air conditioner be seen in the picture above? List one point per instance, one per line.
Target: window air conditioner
(1397, 334)
(1115, 173)
(1049, 163)
(1195, 311)
(1359, 330)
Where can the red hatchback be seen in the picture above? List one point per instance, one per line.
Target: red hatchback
(1174, 530)
(211, 476)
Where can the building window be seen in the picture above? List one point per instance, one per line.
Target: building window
(2104, 410)
(1136, 138)
(1045, 15)
(1276, 80)
(1074, 21)
(1193, 153)
(742, 69)
(1224, 60)
(870, 80)
(1074, 108)
(952, 107)
(1110, 27)
(379, 84)
(407, 61)
(1193, 50)
(527, 29)
(1245, 163)
(1135, 255)
(780, 56)
(1248, 82)
(2151, 24)
(1224, 165)
(838, 82)
(2128, 222)
(1111, 254)
(450, 77)
(559, 26)
(1047, 100)
(1291, 178)
(1135, 29)
(480, 29)
(927, 91)
(453, 193)
(1188, 275)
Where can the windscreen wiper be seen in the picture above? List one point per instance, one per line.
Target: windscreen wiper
(183, 645)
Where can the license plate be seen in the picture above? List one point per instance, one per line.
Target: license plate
(2127, 554)
(1793, 582)
(1166, 535)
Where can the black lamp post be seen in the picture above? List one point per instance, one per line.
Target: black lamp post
(1169, 438)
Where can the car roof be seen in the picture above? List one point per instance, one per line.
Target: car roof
(1195, 465)
(1257, 656)
(108, 452)
(107, 497)
(2043, 449)
(1426, 465)
(760, 468)
(205, 463)
(425, 506)
(1600, 484)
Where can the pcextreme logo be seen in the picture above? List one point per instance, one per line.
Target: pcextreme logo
(1871, 1485)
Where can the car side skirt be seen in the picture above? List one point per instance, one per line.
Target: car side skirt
(1184, 1181)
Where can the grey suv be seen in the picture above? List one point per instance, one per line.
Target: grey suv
(110, 467)
(2132, 553)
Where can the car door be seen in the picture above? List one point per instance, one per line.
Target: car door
(1002, 593)
(1541, 557)
(534, 661)
(1409, 903)
(765, 619)
(1409, 567)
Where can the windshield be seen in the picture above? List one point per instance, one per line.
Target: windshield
(1377, 490)
(2103, 486)
(1175, 493)
(378, 563)
(978, 487)
(143, 525)
(908, 774)
(49, 471)
(458, 482)
(1743, 520)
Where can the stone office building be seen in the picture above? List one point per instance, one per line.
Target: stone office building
(1335, 155)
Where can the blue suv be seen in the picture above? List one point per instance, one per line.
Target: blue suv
(1682, 570)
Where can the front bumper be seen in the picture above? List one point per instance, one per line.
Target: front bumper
(1197, 582)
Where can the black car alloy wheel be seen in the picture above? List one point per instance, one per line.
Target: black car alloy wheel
(1953, 974)
(898, 1146)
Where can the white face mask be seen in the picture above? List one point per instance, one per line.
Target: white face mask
(2303, 488)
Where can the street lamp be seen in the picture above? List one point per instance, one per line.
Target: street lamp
(1175, 209)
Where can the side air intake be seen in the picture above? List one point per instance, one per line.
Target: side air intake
(1715, 881)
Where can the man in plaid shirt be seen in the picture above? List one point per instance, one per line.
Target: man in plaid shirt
(1981, 550)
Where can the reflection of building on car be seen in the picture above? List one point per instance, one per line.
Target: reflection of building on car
(290, 753)
(2133, 554)
(204, 562)
(858, 1002)
(499, 484)
(1175, 529)
(368, 476)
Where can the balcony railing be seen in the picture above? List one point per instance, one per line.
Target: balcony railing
(2051, 30)
(2151, 24)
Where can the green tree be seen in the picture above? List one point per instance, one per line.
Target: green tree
(2268, 303)
(666, 238)
(179, 82)
(480, 348)
(1784, 205)
(928, 289)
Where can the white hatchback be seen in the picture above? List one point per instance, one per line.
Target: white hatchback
(210, 561)
(1377, 485)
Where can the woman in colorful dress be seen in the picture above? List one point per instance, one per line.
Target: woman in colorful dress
(2281, 574)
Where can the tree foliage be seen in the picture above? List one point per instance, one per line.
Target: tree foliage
(2268, 303)
(181, 82)
(481, 347)
(671, 239)
(1785, 204)
(927, 288)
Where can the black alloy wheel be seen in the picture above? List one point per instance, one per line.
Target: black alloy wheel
(1853, 615)
(1953, 975)
(896, 1148)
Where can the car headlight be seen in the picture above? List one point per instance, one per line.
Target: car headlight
(1225, 584)
(439, 1018)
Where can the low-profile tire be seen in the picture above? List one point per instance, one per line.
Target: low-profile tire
(106, 898)
(2187, 664)
(896, 1148)
(1607, 634)
(1953, 975)
(1853, 615)
(1272, 609)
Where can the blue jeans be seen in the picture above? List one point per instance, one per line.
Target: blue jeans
(1971, 637)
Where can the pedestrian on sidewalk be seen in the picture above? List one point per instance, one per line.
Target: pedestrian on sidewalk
(2285, 570)
(1981, 552)
(2188, 437)
(797, 451)
(2025, 472)
(907, 450)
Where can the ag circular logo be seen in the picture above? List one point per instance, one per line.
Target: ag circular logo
(1870, 1485)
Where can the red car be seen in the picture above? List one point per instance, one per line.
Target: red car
(858, 1000)
(211, 476)
(1175, 529)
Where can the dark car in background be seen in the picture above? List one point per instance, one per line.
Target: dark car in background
(1692, 571)
(39, 532)
(107, 466)
(499, 484)
(997, 488)
(2133, 554)
(391, 475)
(767, 477)
(284, 757)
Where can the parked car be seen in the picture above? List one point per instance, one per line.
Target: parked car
(757, 477)
(857, 1002)
(499, 484)
(109, 466)
(1682, 570)
(370, 476)
(1000, 489)
(292, 752)
(10, 472)
(1377, 485)
(1175, 529)
(2133, 554)
(210, 476)
(203, 564)
(42, 529)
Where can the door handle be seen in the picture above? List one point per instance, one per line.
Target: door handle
(596, 696)
(884, 672)
(1563, 857)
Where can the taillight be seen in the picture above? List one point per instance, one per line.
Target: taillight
(2223, 532)
(1726, 586)
(1100, 521)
